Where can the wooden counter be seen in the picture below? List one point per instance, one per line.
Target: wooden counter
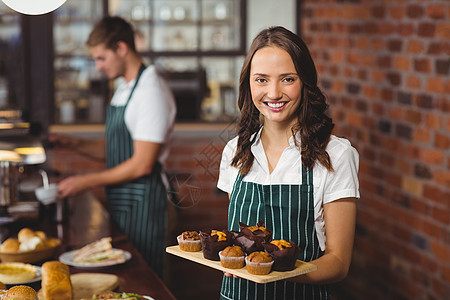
(86, 220)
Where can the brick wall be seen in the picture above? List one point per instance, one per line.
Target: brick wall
(384, 66)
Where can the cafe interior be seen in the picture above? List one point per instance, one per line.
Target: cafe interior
(384, 67)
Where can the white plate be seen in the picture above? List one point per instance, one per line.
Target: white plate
(35, 279)
(67, 258)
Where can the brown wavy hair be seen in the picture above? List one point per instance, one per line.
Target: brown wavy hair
(313, 125)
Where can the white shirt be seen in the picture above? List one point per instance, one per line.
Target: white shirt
(151, 112)
(328, 186)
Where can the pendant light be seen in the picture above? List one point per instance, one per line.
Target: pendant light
(34, 7)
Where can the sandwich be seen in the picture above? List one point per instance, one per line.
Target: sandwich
(100, 251)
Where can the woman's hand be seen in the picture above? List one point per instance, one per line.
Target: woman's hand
(229, 275)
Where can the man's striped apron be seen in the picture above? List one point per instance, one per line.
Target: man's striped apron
(287, 210)
(139, 206)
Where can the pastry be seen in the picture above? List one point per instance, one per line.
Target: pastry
(284, 254)
(189, 241)
(232, 257)
(214, 241)
(56, 284)
(15, 272)
(250, 238)
(259, 263)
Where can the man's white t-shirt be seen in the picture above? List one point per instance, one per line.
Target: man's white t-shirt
(328, 186)
(151, 112)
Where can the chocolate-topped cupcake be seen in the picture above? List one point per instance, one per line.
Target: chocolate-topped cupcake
(250, 238)
(214, 241)
(284, 254)
(189, 241)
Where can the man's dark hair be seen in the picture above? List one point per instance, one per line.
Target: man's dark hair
(109, 31)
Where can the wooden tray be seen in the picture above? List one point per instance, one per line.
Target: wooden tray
(301, 267)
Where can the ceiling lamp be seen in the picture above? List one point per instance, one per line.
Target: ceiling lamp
(34, 7)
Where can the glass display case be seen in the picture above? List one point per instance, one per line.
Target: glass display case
(197, 45)
(11, 59)
(79, 96)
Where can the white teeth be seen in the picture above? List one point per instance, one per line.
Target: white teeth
(276, 104)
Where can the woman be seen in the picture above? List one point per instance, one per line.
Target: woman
(286, 168)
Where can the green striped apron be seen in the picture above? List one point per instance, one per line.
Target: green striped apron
(288, 210)
(139, 207)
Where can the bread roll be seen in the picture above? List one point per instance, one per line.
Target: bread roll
(56, 283)
(34, 243)
(41, 235)
(25, 234)
(20, 292)
(10, 245)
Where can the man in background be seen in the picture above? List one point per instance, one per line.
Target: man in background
(139, 122)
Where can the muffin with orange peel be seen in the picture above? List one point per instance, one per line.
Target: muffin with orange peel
(284, 254)
(214, 241)
(250, 238)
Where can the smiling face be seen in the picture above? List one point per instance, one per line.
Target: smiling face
(108, 61)
(275, 85)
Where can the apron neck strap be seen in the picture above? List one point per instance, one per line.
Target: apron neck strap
(306, 175)
(141, 69)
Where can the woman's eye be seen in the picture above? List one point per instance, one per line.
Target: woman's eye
(289, 79)
(260, 80)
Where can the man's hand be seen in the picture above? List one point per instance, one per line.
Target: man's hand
(72, 186)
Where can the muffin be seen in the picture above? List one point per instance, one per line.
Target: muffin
(284, 254)
(259, 263)
(214, 241)
(232, 257)
(189, 241)
(250, 238)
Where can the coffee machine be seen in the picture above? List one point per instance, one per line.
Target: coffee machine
(19, 149)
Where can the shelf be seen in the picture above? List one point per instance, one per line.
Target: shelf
(174, 35)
